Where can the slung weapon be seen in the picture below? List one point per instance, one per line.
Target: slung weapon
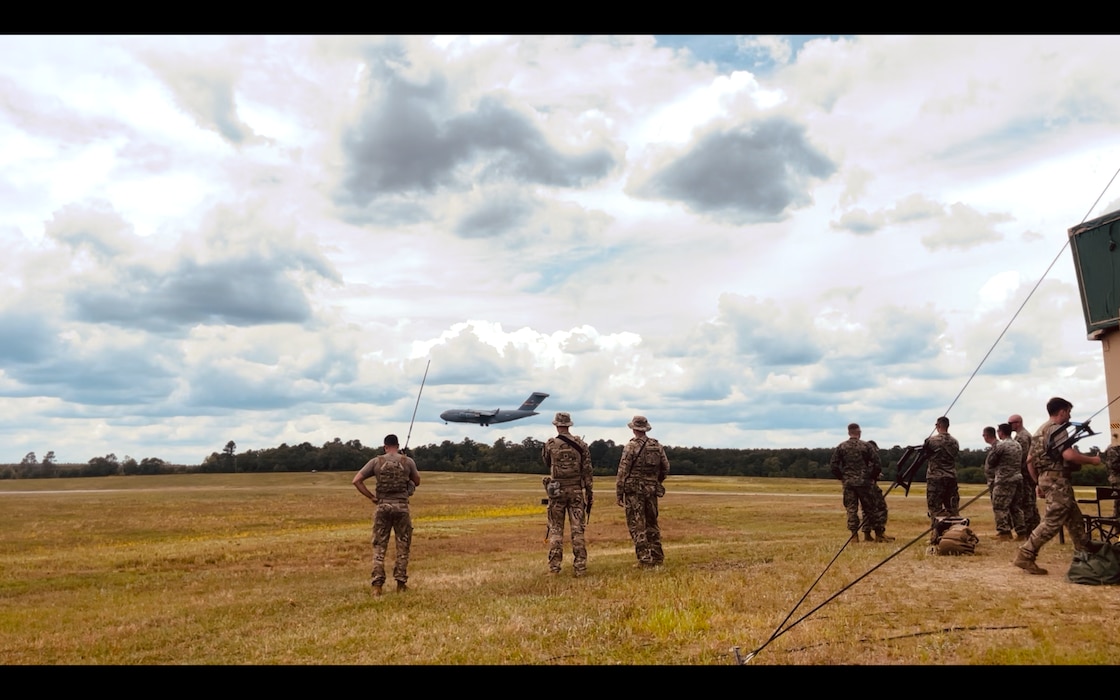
(1064, 436)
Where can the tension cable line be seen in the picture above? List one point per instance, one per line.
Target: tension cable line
(1031, 294)
(780, 631)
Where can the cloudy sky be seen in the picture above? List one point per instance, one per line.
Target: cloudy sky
(751, 240)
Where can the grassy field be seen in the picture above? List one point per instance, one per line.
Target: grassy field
(273, 569)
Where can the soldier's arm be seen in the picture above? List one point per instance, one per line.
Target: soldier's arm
(664, 471)
(624, 464)
(623, 470)
(360, 478)
(414, 473)
(1032, 469)
(1072, 455)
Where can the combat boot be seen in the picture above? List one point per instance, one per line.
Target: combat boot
(855, 536)
(1026, 562)
(882, 536)
(376, 591)
(867, 537)
(401, 587)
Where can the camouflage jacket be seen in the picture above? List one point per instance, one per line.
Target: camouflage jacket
(852, 461)
(1111, 460)
(943, 449)
(1003, 464)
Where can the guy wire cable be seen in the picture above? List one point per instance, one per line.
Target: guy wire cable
(1031, 294)
(779, 631)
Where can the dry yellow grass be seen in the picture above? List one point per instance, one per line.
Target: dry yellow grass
(272, 569)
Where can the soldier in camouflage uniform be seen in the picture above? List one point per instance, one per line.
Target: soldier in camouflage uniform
(641, 471)
(1001, 469)
(1053, 475)
(853, 463)
(1111, 460)
(397, 479)
(880, 501)
(1025, 498)
(569, 493)
(942, 495)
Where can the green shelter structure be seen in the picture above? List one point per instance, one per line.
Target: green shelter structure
(1096, 257)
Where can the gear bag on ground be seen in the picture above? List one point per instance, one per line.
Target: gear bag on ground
(1100, 568)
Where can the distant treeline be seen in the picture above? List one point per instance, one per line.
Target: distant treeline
(505, 457)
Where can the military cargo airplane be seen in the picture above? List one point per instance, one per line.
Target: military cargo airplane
(498, 415)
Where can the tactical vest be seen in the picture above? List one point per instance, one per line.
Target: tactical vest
(647, 465)
(392, 478)
(565, 461)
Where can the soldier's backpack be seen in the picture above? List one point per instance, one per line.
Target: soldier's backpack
(952, 535)
(1099, 568)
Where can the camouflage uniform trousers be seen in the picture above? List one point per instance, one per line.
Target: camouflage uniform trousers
(640, 502)
(1005, 506)
(396, 518)
(877, 522)
(861, 494)
(942, 495)
(1061, 509)
(1027, 503)
(569, 503)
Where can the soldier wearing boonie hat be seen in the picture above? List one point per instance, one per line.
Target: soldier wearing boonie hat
(569, 488)
(640, 472)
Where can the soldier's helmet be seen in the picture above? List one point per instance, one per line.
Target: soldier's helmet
(639, 423)
(562, 419)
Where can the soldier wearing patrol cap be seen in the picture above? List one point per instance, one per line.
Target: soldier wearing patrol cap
(569, 493)
(640, 472)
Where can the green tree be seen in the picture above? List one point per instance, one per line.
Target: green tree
(103, 466)
(229, 456)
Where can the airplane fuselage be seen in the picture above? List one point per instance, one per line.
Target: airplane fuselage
(498, 415)
(484, 417)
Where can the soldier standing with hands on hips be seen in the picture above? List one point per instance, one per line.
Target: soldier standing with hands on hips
(397, 479)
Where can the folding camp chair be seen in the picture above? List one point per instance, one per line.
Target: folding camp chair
(1106, 527)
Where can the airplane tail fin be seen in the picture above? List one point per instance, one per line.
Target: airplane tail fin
(533, 401)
